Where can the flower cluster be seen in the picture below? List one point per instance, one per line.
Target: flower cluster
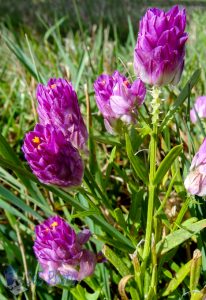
(60, 251)
(118, 99)
(160, 49)
(58, 106)
(158, 60)
(52, 158)
(52, 148)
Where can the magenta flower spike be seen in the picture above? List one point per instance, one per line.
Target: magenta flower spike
(195, 182)
(118, 99)
(58, 106)
(52, 158)
(199, 109)
(60, 251)
(160, 49)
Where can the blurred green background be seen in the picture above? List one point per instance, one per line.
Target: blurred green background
(76, 39)
(32, 13)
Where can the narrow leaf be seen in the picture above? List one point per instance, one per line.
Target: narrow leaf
(179, 236)
(116, 261)
(179, 277)
(166, 164)
(13, 162)
(14, 211)
(70, 199)
(180, 99)
(18, 202)
(136, 163)
(195, 270)
(22, 57)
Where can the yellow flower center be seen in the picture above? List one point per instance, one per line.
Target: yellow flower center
(54, 224)
(36, 140)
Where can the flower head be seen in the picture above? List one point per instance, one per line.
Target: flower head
(118, 99)
(58, 106)
(160, 49)
(60, 251)
(198, 109)
(195, 182)
(52, 158)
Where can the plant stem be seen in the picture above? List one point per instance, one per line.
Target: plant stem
(147, 245)
(152, 187)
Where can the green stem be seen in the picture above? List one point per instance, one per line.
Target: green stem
(152, 187)
(146, 251)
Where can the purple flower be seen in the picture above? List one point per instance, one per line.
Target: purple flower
(52, 158)
(199, 108)
(60, 252)
(118, 99)
(58, 105)
(160, 49)
(195, 182)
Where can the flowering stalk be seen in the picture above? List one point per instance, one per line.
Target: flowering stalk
(153, 153)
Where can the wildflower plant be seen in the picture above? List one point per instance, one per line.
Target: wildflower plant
(103, 174)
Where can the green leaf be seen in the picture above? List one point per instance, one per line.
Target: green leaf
(178, 184)
(113, 232)
(116, 261)
(131, 32)
(14, 211)
(180, 99)
(178, 278)
(107, 140)
(84, 214)
(94, 187)
(179, 236)
(54, 27)
(9, 197)
(110, 164)
(6, 151)
(65, 294)
(12, 252)
(120, 218)
(195, 270)
(11, 161)
(81, 293)
(166, 164)
(136, 162)
(22, 57)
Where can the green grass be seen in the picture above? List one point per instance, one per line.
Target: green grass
(112, 201)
